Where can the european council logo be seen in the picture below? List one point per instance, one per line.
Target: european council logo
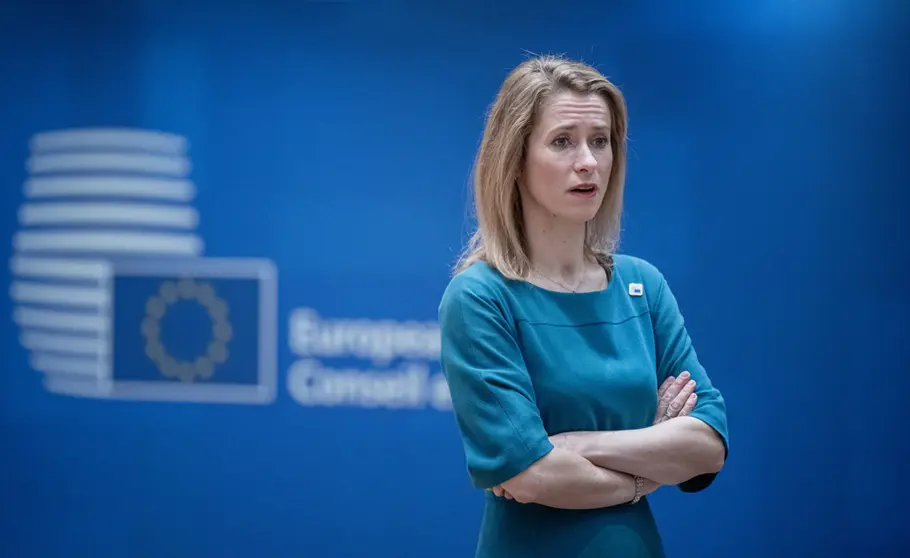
(112, 295)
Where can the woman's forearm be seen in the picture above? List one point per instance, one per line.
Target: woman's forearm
(565, 480)
(669, 453)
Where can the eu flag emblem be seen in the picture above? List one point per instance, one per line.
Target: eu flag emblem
(194, 330)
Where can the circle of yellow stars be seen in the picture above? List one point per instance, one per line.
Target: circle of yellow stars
(203, 367)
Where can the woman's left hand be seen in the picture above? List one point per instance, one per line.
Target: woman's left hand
(675, 398)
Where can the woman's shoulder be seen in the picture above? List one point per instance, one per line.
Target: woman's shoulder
(478, 291)
(479, 279)
(635, 269)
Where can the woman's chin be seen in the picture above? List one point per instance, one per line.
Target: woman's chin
(577, 216)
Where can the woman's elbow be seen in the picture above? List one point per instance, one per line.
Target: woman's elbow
(714, 450)
(718, 451)
(720, 456)
(715, 454)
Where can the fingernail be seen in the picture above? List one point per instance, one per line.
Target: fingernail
(691, 383)
(684, 375)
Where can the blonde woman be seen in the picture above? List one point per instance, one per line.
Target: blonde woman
(575, 385)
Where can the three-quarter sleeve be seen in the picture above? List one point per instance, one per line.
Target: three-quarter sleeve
(492, 395)
(675, 354)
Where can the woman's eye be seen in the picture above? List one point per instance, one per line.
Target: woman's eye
(561, 141)
(602, 142)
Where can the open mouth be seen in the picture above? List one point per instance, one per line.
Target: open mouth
(584, 190)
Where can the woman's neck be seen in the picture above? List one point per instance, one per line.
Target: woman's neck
(556, 248)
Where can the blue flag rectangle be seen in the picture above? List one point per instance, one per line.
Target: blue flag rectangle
(194, 330)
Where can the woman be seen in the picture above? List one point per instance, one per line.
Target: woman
(554, 346)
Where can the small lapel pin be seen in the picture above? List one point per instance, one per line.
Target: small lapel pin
(636, 289)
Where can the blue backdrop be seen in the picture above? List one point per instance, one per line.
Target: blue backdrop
(332, 143)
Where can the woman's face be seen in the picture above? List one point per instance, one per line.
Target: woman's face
(569, 157)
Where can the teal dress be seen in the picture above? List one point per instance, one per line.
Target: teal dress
(524, 363)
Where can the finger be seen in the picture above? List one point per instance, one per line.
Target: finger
(497, 490)
(662, 390)
(689, 406)
(677, 386)
(670, 393)
(507, 495)
(663, 387)
(664, 396)
(682, 380)
(680, 400)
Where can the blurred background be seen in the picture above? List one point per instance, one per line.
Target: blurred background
(229, 225)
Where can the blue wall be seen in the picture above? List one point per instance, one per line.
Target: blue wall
(767, 180)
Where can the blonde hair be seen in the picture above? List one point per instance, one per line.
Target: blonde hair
(500, 237)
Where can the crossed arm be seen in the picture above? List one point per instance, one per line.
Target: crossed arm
(598, 469)
(509, 451)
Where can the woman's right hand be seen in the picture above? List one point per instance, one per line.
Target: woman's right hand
(675, 398)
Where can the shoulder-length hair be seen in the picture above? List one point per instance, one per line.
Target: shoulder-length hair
(500, 236)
